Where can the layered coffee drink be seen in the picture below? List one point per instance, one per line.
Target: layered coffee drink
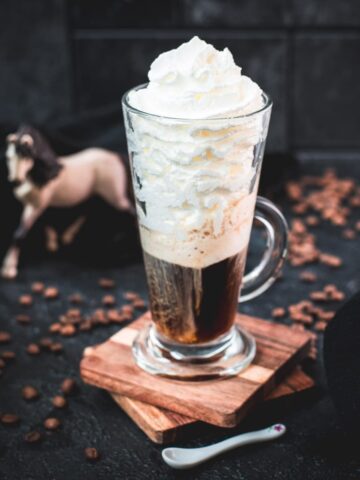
(191, 305)
(195, 152)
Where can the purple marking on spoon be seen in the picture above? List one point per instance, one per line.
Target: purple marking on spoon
(279, 427)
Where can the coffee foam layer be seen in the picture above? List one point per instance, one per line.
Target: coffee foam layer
(200, 249)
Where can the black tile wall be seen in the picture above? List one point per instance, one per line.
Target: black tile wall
(34, 78)
(125, 13)
(107, 67)
(327, 13)
(60, 56)
(179, 13)
(327, 91)
(235, 13)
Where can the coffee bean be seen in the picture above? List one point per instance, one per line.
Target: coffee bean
(308, 277)
(278, 312)
(10, 418)
(26, 300)
(106, 283)
(52, 423)
(318, 296)
(30, 393)
(312, 220)
(85, 326)
(23, 319)
(114, 316)
(337, 296)
(33, 349)
(45, 342)
(99, 317)
(32, 437)
(59, 401)
(313, 353)
(37, 287)
(330, 260)
(68, 330)
(51, 293)
(68, 386)
(55, 327)
(326, 316)
(131, 296)
(108, 300)
(127, 309)
(320, 326)
(76, 298)
(5, 337)
(73, 313)
(56, 347)
(330, 288)
(8, 355)
(92, 453)
(349, 234)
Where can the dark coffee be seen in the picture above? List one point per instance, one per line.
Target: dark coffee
(190, 305)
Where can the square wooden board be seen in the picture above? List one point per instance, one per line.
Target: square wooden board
(163, 426)
(224, 402)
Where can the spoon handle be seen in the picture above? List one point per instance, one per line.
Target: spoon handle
(264, 435)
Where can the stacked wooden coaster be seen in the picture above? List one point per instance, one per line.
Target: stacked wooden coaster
(167, 409)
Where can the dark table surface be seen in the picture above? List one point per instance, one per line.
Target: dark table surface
(315, 446)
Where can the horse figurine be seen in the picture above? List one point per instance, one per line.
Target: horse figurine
(42, 180)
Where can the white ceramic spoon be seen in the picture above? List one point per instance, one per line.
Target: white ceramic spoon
(182, 458)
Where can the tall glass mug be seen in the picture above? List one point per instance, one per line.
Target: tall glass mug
(195, 184)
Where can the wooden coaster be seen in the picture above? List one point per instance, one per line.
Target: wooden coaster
(163, 426)
(221, 402)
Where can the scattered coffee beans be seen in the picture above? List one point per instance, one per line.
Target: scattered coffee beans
(23, 319)
(106, 283)
(92, 454)
(68, 386)
(33, 349)
(9, 419)
(37, 287)
(108, 300)
(76, 299)
(51, 293)
(52, 423)
(8, 355)
(32, 437)
(278, 312)
(26, 300)
(30, 393)
(59, 401)
(5, 337)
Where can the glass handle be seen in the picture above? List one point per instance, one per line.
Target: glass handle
(265, 274)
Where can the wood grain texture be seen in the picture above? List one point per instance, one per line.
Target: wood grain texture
(225, 402)
(163, 426)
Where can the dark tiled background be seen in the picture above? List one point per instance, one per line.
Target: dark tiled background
(63, 56)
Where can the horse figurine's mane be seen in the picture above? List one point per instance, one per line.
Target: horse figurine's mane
(46, 164)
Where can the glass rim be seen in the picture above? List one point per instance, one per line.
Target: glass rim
(125, 102)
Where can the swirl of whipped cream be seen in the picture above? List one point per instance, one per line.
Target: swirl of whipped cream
(197, 81)
(195, 181)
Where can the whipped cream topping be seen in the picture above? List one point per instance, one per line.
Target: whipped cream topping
(195, 181)
(197, 81)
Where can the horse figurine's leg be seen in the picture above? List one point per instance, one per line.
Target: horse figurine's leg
(70, 233)
(10, 263)
(51, 239)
